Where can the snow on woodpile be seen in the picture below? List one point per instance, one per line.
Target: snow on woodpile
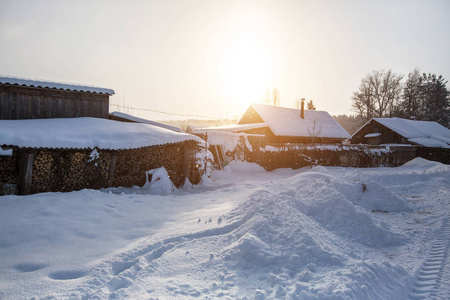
(54, 85)
(429, 134)
(287, 122)
(86, 133)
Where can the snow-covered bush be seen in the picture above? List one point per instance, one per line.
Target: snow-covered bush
(203, 157)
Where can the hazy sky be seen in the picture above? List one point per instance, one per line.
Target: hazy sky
(214, 57)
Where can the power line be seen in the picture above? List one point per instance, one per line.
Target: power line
(164, 112)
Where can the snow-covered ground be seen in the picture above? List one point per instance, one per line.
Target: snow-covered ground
(320, 233)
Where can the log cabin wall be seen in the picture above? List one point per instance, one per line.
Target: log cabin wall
(387, 136)
(17, 102)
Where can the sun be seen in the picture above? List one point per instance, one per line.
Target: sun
(246, 70)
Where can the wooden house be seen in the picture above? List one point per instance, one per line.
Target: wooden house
(32, 99)
(402, 131)
(281, 125)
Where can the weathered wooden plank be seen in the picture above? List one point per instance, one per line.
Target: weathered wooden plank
(25, 172)
(112, 166)
(25, 102)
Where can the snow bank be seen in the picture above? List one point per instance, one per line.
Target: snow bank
(159, 182)
(245, 167)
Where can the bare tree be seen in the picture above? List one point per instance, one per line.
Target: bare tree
(297, 104)
(272, 98)
(378, 94)
(314, 131)
(276, 97)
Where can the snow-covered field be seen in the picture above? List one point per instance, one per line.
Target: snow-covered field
(320, 233)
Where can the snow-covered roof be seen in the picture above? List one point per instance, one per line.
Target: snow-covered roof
(232, 127)
(86, 133)
(287, 122)
(54, 85)
(425, 133)
(144, 121)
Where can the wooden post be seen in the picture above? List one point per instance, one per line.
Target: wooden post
(186, 163)
(25, 172)
(206, 151)
(112, 166)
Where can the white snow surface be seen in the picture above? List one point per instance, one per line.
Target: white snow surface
(319, 233)
(86, 133)
(159, 182)
(54, 85)
(285, 121)
(369, 135)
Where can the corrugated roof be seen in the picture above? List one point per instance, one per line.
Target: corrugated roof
(285, 121)
(86, 133)
(144, 121)
(54, 85)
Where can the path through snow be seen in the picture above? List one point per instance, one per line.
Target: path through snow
(432, 279)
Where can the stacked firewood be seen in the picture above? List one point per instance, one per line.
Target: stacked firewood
(56, 170)
(8, 169)
(132, 164)
(42, 172)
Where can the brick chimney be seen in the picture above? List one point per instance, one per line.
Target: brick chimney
(302, 110)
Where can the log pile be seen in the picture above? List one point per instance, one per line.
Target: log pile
(9, 172)
(66, 170)
(69, 170)
(132, 164)
(43, 172)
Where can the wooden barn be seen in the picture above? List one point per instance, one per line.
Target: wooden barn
(32, 99)
(396, 131)
(50, 155)
(281, 125)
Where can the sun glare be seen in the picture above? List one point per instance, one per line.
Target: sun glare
(247, 67)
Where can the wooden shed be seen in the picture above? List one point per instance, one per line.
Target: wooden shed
(32, 99)
(380, 131)
(50, 155)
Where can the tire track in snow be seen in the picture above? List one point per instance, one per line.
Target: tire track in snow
(125, 271)
(429, 277)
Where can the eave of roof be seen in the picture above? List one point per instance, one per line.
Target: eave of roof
(17, 81)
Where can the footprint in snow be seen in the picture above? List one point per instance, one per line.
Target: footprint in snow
(67, 275)
(29, 267)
